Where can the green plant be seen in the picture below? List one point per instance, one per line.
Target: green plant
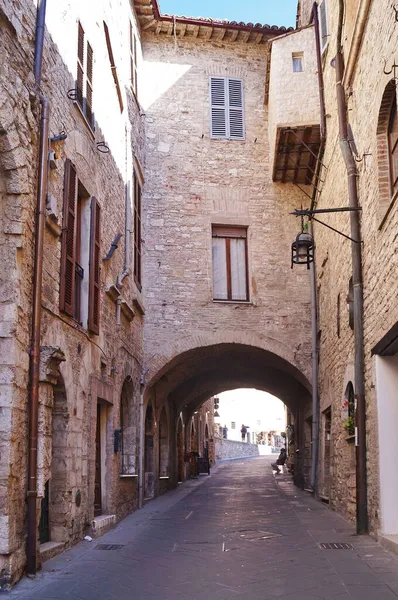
(349, 426)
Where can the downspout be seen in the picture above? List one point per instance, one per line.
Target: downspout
(314, 307)
(356, 252)
(127, 230)
(34, 366)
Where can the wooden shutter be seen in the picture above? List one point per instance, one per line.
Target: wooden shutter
(68, 241)
(94, 267)
(80, 65)
(323, 25)
(89, 85)
(218, 103)
(133, 60)
(137, 233)
(235, 109)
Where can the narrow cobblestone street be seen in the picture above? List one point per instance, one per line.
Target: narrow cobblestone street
(239, 533)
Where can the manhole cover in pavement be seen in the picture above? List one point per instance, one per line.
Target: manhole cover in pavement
(253, 535)
(335, 546)
(109, 546)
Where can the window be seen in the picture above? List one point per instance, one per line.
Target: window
(113, 66)
(323, 25)
(229, 251)
(137, 232)
(297, 59)
(393, 144)
(84, 81)
(127, 429)
(387, 151)
(133, 60)
(80, 253)
(233, 424)
(227, 114)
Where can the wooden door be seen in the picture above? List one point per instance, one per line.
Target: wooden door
(44, 525)
(97, 484)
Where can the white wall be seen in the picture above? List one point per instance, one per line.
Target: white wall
(387, 404)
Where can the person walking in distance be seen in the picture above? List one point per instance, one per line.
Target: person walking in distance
(279, 461)
(243, 432)
(225, 432)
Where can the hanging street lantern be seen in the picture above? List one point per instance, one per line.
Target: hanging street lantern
(303, 249)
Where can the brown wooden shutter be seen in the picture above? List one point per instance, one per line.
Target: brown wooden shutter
(80, 65)
(89, 85)
(68, 241)
(94, 281)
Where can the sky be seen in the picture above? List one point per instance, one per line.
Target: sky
(271, 12)
(257, 410)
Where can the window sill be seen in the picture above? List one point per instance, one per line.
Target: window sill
(127, 476)
(164, 477)
(227, 139)
(236, 302)
(86, 121)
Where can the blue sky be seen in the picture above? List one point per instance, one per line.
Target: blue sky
(272, 12)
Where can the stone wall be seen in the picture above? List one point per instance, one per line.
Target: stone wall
(226, 449)
(193, 182)
(365, 83)
(95, 367)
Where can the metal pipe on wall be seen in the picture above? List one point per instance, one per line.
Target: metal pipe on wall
(34, 365)
(314, 306)
(356, 253)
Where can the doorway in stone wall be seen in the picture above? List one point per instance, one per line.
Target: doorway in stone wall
(54, 524)
(326, 451)
(98, 465)
(180, 452)
(149, 453)
(387, 408)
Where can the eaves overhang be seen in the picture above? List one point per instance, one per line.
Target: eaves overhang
(151, 19)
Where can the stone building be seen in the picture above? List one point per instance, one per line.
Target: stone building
(166, 255)
(369, 43)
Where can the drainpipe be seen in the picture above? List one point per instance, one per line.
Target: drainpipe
(314, 311)
(127, 230)
(356, 252)
(34, 366)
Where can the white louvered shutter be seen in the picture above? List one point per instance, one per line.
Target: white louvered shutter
(218, 107)
(235, 109)
(323, 25)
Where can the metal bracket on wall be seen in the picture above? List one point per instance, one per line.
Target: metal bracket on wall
(304, 212)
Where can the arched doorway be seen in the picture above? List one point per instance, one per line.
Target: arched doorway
(128, 455)
(149, 453)
(163, 444)
(180, 452)
(55, 513)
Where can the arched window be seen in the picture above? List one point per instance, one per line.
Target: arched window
(163, 445)
(127, 429)
(387, 149)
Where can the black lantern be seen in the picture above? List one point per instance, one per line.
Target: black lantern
(303, 249)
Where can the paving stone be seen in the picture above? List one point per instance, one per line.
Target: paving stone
(223, 550)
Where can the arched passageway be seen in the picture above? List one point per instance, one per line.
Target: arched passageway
(190, 378)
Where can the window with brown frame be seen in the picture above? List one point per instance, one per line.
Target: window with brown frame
(137, 232)
(133, 60)
(84, 81)
(113, 66)
(80, 253)
(393, 144)
(230, 272)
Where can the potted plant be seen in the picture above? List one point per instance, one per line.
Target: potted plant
(349, 426)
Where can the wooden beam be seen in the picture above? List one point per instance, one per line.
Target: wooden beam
(196, 31)
(209, 33)
(234, 35)
(245, 37)
(170, 28)
(183, 29)
(222, 34)
(148, 24)
(258, 38)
